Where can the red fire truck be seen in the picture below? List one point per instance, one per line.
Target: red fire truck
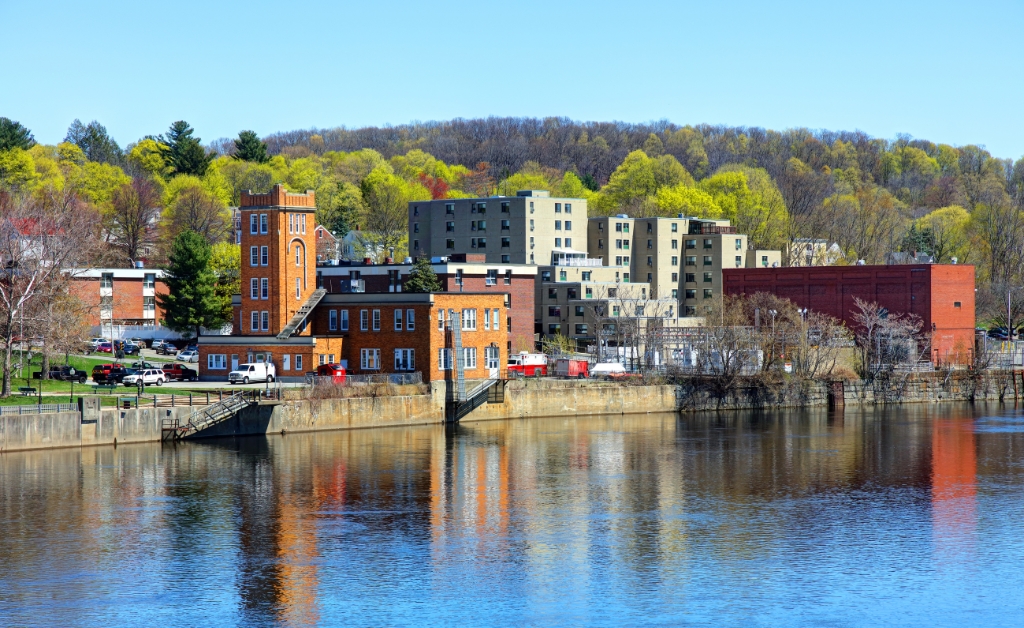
(525, 364)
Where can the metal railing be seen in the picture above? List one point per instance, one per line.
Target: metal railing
(363, 380)
(40, 408)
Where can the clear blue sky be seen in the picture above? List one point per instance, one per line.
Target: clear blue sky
(944, 71)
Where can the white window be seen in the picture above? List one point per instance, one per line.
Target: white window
(332, 320)
(291, 223)
(255, 321)
(286, 362)
(398, 320)
(376, 320)
(491, 356)
(264, 256)
(265, 320)
(218, 361)
(405, 359)
(298, 289)
(469, 320)
(440, 320)
(298, 362)
(253, 222)
(298, 255)
(487, 318)
(264, 288)
(495, 315)
(444, 359)
(364, 320)
(302, 221)
(410, 320)
(344, 320)
(254, 288)
(469, 357)
(254, 256)
(323, 359)
(369, 359)
(263, 223)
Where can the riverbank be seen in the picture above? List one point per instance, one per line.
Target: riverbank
(522, 399)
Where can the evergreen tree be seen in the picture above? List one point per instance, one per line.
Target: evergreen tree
(422, 277)
(191, 301)
(248, 147)
(13, 135)
(94, 141)
(184, 153)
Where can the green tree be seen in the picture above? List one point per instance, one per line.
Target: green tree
(632, 182)
(422, 277)
(17, 169)
(14, 135)
(226, 265)
(94, 141)
(248, 147)
(191, 301)
(184, 153)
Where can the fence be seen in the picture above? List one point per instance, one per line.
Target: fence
(363, 380)
(42, 408)
(193, 399)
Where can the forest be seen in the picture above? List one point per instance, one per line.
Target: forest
(871, 196)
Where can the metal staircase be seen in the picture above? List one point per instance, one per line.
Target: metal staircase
(477, 397)
(204, 417)
(301, 315)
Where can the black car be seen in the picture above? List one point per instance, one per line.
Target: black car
(167, 349)
(64, 374)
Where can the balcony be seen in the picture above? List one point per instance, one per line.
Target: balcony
(578, 261)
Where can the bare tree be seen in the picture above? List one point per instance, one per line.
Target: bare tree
(194, 210)
(886, 339)
(136, 207)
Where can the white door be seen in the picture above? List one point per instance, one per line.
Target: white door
(234, 362)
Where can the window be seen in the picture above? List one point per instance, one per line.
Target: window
(739, 244)
(255, 323)
(764, 260)
(369, 359)
(600, 226)
(218, 361)
(625, 227)
(449, 208)
(707, 243)
(568, 225)
(148, 305)
(615, 310)
(253, 222)
(625, 244)
(254, 256)
(625, 260)
(555, 311)
(558, 225)
(956, 304)
(332, 320)
(625, 277)
(675, 227)
(650, 261)
(487, 318)
(508, 276)
(558, 208)
(554, 328)
(650, 228)
(552, 293)
(691, 244)
(264, 320)
(675, 260)
(107, 280)
(562, 275)
(479, 225)
(440, 320)
(376, 320)
(675, 245)
(506, 242)
(505, 225)
(458, 277)
(691, 293)
(323, 359)
(531, 207)
(650, 243)
(449, 227)
(572, 294)
(286, 362)
(739, 261)
(449, 244)
(410, 320)
(415, 227)
(618, 226)
(149, 280)
(558, 242)
(707, 260)
(469, 320)
(481, 243)
(302, 221)
(506, 259)
(364, 320)
(675, 293)
(707, 293)
(398, 320)
(254, 288)
(531, 224)
(492, 357)
(291, 223)
(707, 277)
(545, 275)
(264, 288)
(578, 310)
(415, 212)
(691, 277)
(263, 223)
(675, 276)
(588, 293)
(444, 359)
(298, 255)
(568, 208)
(568, 243)
(600, 243)
(264, 256)
(495, 318)
(344, 320)
(298, 289)
(504, 207)
(650, 277)
(581, 329)
(690, 310)
(405, 359)
(298, 362)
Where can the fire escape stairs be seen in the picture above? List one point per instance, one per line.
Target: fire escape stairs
(301, 315)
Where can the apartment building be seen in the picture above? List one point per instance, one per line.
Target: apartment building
(521, 229)
(120, 299)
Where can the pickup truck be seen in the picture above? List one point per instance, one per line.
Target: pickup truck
(64, 374)
(179, 372)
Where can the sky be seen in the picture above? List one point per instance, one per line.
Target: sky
(942, 71)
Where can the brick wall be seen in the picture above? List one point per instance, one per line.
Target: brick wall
(522, 292)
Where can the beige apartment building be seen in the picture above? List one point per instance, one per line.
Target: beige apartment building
(521, 229)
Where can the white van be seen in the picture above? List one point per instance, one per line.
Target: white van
(608, 370)
(254, 372)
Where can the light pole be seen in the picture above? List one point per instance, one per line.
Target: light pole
(803, 339)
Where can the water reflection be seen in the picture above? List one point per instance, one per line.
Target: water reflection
(797, 518)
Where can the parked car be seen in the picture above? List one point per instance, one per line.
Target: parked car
(149, 377)
(255, 372)
(179, 372)
(108, 373)
(142, 364)
(335, 371)
(608, 370)
(94, 342)
(188, 356)
(166, 348)
(139, 341)
(104, 347)
(129, 347)
(64, 374)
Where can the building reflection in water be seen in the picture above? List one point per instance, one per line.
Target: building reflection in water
(954, 488)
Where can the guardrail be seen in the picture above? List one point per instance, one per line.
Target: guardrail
(42, 408)
(363, 380)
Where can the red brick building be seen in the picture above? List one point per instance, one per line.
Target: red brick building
(121, 299)
(292, 314)
(942, 295)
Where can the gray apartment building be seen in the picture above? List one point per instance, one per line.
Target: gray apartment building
(521, 229)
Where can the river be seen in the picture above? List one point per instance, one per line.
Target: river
(872, 517)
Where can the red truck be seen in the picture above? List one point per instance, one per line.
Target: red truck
(179, 372)
(335, 371)
(525, 364)
(569, 367)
